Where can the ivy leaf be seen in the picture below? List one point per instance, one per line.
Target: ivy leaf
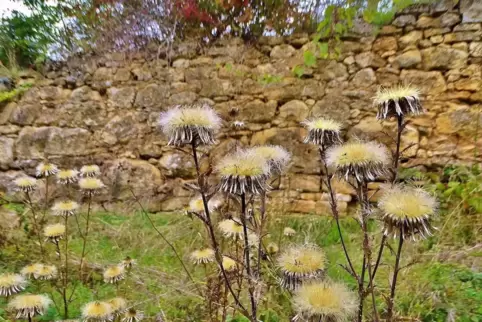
(309, 58)
(323, 48)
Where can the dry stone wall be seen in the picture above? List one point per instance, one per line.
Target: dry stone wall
(104, 110)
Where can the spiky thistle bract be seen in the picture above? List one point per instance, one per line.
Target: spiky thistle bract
(364, 161)
(196, 124)
(324, 301)
(132, 315)
(203, 256)
(91, 184)
(114, 274)
(25, 184)
(46, 169)
(118, 305)
(45, 272)
(65, 208)
(27, 306)
(54, 232)
(67, 176)
(11, 284)
(407, 211)
(90, 171)
(229, 264)
(29, 270)
(97, 311)
(243, 172)
(323, 132)
(397, 101)
(231, 228)
(277, 156)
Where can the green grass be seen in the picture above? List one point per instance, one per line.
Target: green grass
(432, 289)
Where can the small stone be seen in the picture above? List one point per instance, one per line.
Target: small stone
(6, 152)
(305, 183)
(468, 27)
(180, 63)
(364, 78)
(369, 59)
(475, 49)
(390, 30)
(349, 60)
(461, 36)
(443, 58)
(121, 97)
(383, 44)
(282, 51)
(461, 46)
(449, 19)
(437, 39)
(432, 83)
(428, 22)
(471, 10)
(412, 38)
(468, 84)
(294, 110)
(409, 59)
(404, 20)
(435, 31)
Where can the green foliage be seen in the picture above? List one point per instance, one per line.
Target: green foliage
(10, 95)
(298, 71)
(267, 79)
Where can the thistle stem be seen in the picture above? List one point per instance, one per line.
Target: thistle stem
(394, 279)
(66, 278)
(260, 232)
(214, 242)
(36, 226)
(247, 259)
(85, 235)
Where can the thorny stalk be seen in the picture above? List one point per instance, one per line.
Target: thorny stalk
(214, 242)
(36, 226)
(85, 235)
(66, 277)
(179, 258)
(260, 232)
(393, 286)
(247, 259)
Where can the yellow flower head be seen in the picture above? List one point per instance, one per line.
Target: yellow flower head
(54, 232)
(277, 156)
(97, 312)
(91, 171)
(229, 264)
(28, 305)
(203, 256)
(114, 274)
(407, 211)
(25, 184)
(65, 208)
(30, 270)
(45, 272)
(132, 315)
(187, 125)
(11, 284)
(67, 176)
(323, 132)
(118, 305)
(243, 172)
(272, 248)
(231, 228)
(288, 231)
(46, 169)
(91, 184)
(325, 301)
(365, 161)
(300, 263)
(397, 101)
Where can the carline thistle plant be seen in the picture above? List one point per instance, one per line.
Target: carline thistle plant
(323, 132)
(27, 306)
(11, 284)
(97, 311)
(397, 102)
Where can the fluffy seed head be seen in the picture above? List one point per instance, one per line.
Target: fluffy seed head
(54, 232)
(397, 101)
(118, 305)
(91, 171)
(45, 272)
(300, 263)
(243, 172)
(30, 270)
(231, 228)
(322, 131)
(325, 301)
(25, 184)
(114, 274)
(203, 256)
(288, 231)
(29, 305)
(91, 184)
(229, 264)
(185, 125)
(65, 208)
(407, 211)
(365, 161)
(97, 312)
(132, 315)
(11, 284)
(46, 169)
(67, 176)
(277, 156)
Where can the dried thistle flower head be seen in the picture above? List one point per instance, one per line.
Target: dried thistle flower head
(243, 172)
(203, 256)
(132, 315)
(30, 270)
(118, 305)
(277, 156)
(188, 125)
(407, 211)
(288, 231)
(54, 232)
(365, 161)
(11, 284)
(323, 132)
(97, 311)
(128, 262)
(253, 239)
(25, 184)
(114, 274)
(325, 301)
(272, 248)
(91, 184)
(397, 101)
(45, 272)
(67, 176)
(46, 169)
(229, 264)
(65, 208)
(299, 263)
(231, 228)
(28, 306)
(90, 171)
(197, 205)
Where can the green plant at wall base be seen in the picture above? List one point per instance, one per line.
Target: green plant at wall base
(267, 79)
(10, 95)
